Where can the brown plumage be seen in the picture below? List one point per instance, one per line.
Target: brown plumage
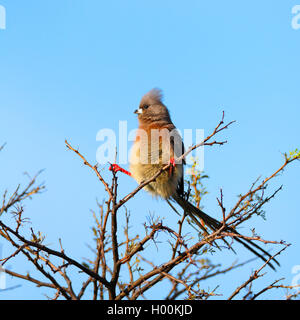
(157, 142)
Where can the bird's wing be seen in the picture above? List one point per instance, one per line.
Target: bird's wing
(178, 149)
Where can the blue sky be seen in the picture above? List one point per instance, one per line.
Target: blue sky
(70, 68)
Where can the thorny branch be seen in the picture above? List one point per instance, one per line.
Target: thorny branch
(186, 269)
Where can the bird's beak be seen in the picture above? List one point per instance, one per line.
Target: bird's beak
(138, 111)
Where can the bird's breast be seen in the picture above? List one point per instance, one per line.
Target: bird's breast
(146, 159)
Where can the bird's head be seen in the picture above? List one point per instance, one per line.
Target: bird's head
(151, 108)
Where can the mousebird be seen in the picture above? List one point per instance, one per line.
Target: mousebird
(158, 143)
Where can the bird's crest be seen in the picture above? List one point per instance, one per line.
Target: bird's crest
(154, 96)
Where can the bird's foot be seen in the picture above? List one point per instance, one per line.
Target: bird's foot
(115, 168)
(172, 166)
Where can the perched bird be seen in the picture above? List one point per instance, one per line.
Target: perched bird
(158, 143)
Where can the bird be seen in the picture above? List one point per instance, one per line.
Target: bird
(158, 143)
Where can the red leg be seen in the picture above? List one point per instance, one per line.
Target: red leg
(172, 166)
(115, 168)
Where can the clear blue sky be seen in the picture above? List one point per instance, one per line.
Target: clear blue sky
(69, 68)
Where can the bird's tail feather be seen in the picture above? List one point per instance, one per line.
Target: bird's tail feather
(196, 214)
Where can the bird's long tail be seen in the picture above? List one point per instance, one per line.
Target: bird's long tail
(197, 214)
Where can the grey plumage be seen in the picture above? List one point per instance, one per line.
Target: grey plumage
(151, 152)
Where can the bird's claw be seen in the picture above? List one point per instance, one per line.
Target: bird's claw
(115, 168)
(172, 166)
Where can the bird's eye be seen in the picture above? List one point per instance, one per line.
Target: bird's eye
(146, 106)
